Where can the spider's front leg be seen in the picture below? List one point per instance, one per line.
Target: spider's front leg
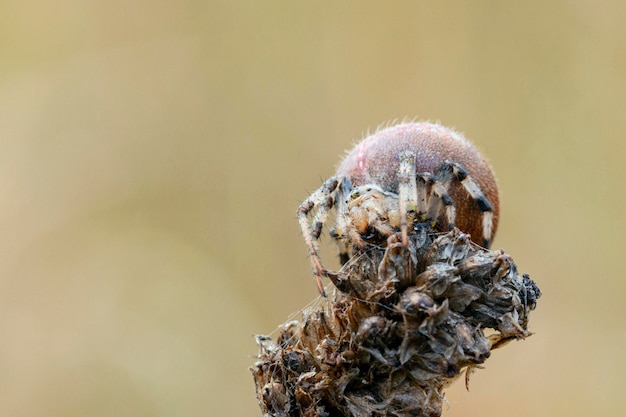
(342, 222)
(440, 198)
(407, 191)
(323, 199)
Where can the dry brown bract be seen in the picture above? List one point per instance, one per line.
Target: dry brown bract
(405, 323)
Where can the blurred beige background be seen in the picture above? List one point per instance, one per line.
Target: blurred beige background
(152, 156)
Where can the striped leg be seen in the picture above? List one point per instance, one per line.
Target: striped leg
(323, 200)
(482, 202)
(407, 191)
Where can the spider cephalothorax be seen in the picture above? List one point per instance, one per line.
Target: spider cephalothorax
(398, 177)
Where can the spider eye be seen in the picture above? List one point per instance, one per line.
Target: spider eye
(355, 194)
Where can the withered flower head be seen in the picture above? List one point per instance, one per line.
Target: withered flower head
(407, 322)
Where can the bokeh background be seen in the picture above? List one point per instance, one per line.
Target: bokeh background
(152, 156)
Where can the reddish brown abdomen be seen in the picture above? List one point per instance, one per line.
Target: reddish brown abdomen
(375, 160)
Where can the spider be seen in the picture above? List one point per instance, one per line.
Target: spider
(396, 178)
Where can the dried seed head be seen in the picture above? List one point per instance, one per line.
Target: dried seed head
(409, 321)
(376, 160)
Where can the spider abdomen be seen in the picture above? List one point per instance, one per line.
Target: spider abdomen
(376, 160)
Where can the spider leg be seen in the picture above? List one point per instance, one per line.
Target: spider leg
(407, 193)
(482, 202)
(343, 221)
(441, 197)
(435, 193)
(439, 190)
(355, 237)
(424, 182)
(323, 198)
